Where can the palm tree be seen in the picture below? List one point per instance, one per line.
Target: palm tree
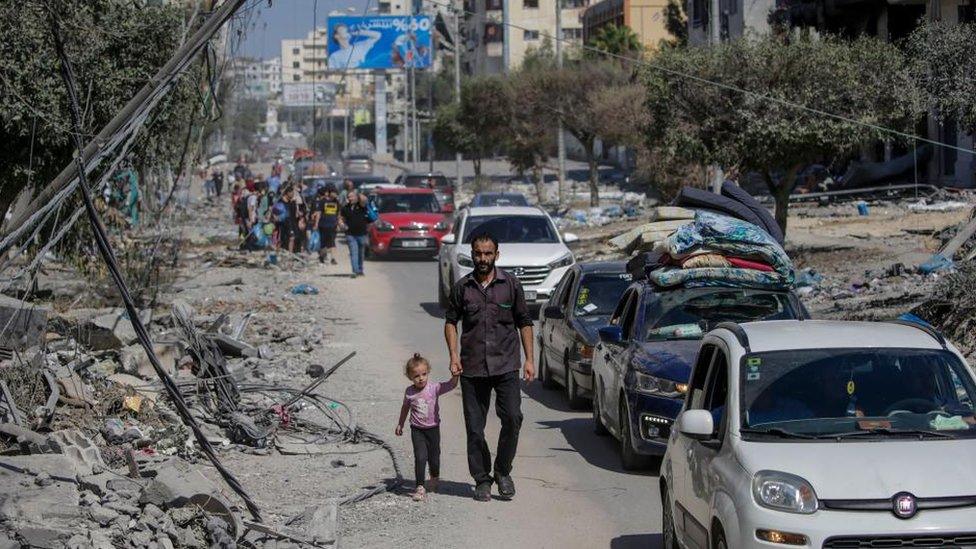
(616, 40)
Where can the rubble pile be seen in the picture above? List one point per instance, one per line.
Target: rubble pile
(951, 307)
(94, 454)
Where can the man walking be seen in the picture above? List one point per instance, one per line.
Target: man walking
(326, 219)
(356, 220)
(490, 304)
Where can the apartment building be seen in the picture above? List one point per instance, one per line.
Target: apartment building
(647, 18)
(530, 22)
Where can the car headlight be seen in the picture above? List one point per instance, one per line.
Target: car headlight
(784, 492)
(442, 225)
(465, 261)
(584, 351)
(385, 226)
(564, 261)
(658, 386)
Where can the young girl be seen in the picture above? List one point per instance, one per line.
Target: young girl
(420, 401)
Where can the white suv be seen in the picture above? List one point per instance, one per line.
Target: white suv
(823, 434)
(530, 248)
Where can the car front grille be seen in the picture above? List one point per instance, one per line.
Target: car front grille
(958, 541)
(414, 228)
(529, 276)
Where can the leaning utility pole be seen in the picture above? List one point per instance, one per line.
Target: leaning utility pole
(457, 85)
(560, 138)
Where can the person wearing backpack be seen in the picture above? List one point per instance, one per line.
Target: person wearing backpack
(355, 217)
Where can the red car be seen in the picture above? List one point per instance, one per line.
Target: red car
(411, 222)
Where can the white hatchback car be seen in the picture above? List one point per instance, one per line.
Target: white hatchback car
(823, 434)
(530, 248)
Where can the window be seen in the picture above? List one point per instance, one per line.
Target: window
(530, 4)
(573, 34)
(567, 290)
(699, 13)
(493, 5)
(599, 293)
(296, 78)
(530, 34)
(567, 4)
(526, 229)
(718, 388)
(696, 390)
(295, 64)
(493, 33)
(630, 317)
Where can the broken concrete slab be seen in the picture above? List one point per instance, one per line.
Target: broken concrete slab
(322, 522)
(105, 329)
(74, 444)
(176, 484)
(24, 323)
(134, 359)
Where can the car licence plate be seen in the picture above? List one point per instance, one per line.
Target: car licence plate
(530, 295)
(414, 243)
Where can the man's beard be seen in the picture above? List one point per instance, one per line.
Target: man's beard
(484, 267)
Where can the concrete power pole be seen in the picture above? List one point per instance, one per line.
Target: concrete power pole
(457, 83)
(715, 38)
(560, 138)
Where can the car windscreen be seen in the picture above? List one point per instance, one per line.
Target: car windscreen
(599, 293)
(856, 393)
(501, 200)
(687, 314)
(407, 202)
(525, 229)
(429, 181)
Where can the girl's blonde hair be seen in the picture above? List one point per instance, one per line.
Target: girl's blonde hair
(415, 360)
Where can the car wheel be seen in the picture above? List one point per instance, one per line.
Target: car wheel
(598, 427)
(669, 537)
(576, 402)
(544, 374)
(629, 458)
(442, 297)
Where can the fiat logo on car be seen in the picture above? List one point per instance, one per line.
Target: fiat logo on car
(904, 505)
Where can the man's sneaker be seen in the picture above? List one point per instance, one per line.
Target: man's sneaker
(506, 488)
(322, 259)
(482, 492)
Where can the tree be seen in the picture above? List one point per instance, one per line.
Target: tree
(115, 47)
(531, 136)
(617, 40)
(568, 93)
(477, 126)
(775, 106)
(943, 62)
(676, 22)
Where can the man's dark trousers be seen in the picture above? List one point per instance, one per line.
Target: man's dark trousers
(476, 396)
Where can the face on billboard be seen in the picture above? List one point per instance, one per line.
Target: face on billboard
(380, 42)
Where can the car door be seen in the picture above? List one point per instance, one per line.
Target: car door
(602, 374)
(562, 331)
(691, 459)
(619, 359)
(548, 325)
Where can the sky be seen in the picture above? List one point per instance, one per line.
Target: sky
(287, 19)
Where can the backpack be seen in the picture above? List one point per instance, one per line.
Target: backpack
(372, 214)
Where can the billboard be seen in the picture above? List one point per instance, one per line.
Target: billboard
(380, 42)
(308, 94)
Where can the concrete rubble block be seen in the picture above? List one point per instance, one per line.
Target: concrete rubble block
(24, 323)
(135, 361)
(322, 522)
(178, 484)
(44, 536)
(107, 328)
(75, 445)
(140, 385)
(50, 503)
(671, 213)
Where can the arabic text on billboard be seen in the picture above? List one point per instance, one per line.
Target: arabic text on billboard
(308, 94)
(380, 42)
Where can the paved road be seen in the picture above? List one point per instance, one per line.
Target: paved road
(571, 489)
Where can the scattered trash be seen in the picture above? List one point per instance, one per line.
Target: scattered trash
(937, 262)
(304, 289)
(862, 208)
(808, 278)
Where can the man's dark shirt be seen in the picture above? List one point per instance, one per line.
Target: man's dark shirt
(357, 223)
(328, 209)
(490, 321)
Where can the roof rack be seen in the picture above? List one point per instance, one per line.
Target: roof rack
(737, 330)
(925, 328)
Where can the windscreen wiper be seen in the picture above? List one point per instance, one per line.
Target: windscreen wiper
(775, 431)
(920, 433)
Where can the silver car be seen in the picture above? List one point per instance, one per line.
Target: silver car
(823, 434)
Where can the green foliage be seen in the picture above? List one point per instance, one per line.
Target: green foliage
(617, 40)
(943, 59)
(115, 47)
(676, 22)
(862, 84)
(477, 126)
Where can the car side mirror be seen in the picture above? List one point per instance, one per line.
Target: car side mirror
(611, 334)
(569, 238)
(448, 239)
(554, 313)
(696, 424)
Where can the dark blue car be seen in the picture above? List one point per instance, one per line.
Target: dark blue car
(580, 305)
(643, 361)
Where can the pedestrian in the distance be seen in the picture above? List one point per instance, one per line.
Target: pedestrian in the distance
(490, 305)
(420, 402)
(355, 217)
(325, 218)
